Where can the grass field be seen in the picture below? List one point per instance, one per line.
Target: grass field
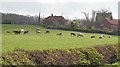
(10, 41)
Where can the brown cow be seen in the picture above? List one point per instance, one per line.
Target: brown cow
(38, 31)
(80, 34)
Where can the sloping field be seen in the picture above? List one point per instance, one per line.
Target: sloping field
(10, 41)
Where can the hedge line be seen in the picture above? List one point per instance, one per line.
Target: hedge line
(97, 55)
(87, 30)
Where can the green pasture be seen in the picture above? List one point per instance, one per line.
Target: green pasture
(30, 41)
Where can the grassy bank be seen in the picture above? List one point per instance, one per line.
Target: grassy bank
(10, 41)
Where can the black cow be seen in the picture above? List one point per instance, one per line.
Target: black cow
(26, 31)
(47, 31)
(73, 34)
(17, 31)
(101, 37)
(59, 34)
(92, 36)
(8, 31)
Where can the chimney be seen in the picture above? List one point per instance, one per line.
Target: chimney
(51, 14)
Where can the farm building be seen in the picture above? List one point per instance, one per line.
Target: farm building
(100, 17)
(55, 20)
(106, 20)
(109, 22)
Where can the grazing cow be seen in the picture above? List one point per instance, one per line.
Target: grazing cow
(92, 36)
(59, 34)
(101, 37)
(17, 31)
(80, 34)
(47, 31)
(8, 31)
(73, 34)
(22, 30)
(26, 31)
(109, 36)
(38, 31)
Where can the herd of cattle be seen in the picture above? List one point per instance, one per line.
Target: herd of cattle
(81, 35)
(19, 31)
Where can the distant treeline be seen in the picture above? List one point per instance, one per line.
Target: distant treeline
(72, 25)
(8, 18)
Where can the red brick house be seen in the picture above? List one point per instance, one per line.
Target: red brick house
(110, 23)
(55, 20)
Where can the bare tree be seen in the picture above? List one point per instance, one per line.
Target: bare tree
(93, 15)
(39, 18)
(104, 11)
(86, 16)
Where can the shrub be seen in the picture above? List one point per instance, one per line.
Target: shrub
(93, 56)
(15, 59)
(66, 57)
(118, 51)
(109, 53)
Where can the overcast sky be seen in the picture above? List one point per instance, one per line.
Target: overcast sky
(68, 8)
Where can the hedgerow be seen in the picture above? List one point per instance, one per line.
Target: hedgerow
(97, 55)
(93, 56)
(109, 52)
(15, 58)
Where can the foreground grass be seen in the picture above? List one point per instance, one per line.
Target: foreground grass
(10, 41)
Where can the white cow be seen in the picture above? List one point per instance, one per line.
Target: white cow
(22, 30)
(101, 36)
(109, 36)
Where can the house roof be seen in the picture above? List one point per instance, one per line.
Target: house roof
(55, 18)
(112, 21)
